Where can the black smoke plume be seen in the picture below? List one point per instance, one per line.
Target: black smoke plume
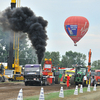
(24, 20)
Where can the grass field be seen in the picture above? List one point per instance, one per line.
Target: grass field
(55, 95)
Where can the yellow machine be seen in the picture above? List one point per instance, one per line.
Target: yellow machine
(68, 72)
(13, 59)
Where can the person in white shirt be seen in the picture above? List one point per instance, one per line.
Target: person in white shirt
(84, 80)
(92, 80)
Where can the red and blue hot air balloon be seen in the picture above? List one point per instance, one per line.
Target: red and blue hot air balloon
(76, 27)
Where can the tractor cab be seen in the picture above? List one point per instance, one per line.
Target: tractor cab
(81, 70)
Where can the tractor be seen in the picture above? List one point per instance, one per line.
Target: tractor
(77, 78)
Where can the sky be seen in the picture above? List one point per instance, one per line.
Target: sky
(56, 12)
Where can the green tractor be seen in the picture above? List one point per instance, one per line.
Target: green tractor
(77, 78)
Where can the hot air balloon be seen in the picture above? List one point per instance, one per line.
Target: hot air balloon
(76, 27)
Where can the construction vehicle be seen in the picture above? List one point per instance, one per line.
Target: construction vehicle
(89, 61)
(90, 75)
(89, 67)
(13, 58)
(68, 72)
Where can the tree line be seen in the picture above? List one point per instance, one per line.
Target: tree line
(68, 60)
(27, 54)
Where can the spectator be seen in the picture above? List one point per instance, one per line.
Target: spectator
(84, 80)
(92, 81)
(2, 68)
(68, 78)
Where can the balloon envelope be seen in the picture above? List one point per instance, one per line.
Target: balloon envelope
(76, 27)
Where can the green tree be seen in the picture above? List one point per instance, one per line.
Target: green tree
(25, 51)
(80, 59)
(47, 55)
(55, 57)
(4, 40)
(71, 58)
(96, 64)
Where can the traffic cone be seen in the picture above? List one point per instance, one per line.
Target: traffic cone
(94, 89)
(88, 89)
(20, 95)
(61, 94)
(76, 90)
(81, 89)
(41, 97)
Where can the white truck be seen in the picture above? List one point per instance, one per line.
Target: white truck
(9, 74)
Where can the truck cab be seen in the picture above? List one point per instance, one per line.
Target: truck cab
(47, 71)
(50, 72)
(32, 74)
(97, 77)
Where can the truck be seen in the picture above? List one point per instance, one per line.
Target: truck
(9, 74)
(97, 77)
(51, 72)
(33, 75)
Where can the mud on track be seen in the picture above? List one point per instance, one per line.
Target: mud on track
(10, 90)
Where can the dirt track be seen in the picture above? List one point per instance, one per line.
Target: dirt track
(9, 91)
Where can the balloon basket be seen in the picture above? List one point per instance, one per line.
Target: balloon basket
(75, 44)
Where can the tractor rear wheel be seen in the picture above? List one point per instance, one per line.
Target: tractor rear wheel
(46, 82)
(57, 80)
(72, 80)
